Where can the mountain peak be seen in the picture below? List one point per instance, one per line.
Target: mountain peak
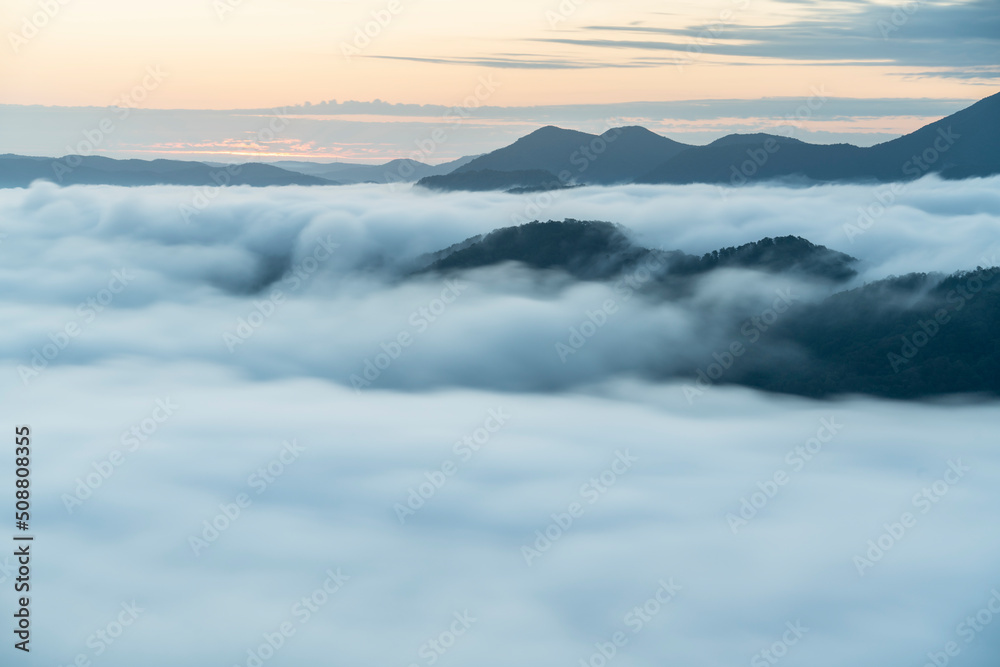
(617, 156)
(552, 131)
(753, 138)
(632, 131)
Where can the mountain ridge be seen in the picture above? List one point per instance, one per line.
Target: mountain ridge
(597, 250)
(964, 144)
(615, 156)
(20, 171)
(915, 336)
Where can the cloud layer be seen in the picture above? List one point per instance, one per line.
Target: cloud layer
(460, 421)
(300, 282)
(666, 518)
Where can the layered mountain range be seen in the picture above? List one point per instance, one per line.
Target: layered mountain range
(965, 144)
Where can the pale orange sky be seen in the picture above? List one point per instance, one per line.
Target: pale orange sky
(224, 54)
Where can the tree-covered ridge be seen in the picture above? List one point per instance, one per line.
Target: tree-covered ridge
(907, 337)
(593, 250)
(910, 336)
(781, 254)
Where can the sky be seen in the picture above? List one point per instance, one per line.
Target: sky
(564, 61)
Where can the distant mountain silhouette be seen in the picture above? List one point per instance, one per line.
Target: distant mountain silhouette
(394, 171)
(965, 144)
(618, 156)
(488, 179)
(740, 159)
(962, 145)
(18, 171)
(975, 132)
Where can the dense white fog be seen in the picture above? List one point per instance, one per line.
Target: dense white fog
(850, 532)
(201, 287)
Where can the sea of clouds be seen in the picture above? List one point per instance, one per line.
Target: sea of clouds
(478, 499)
